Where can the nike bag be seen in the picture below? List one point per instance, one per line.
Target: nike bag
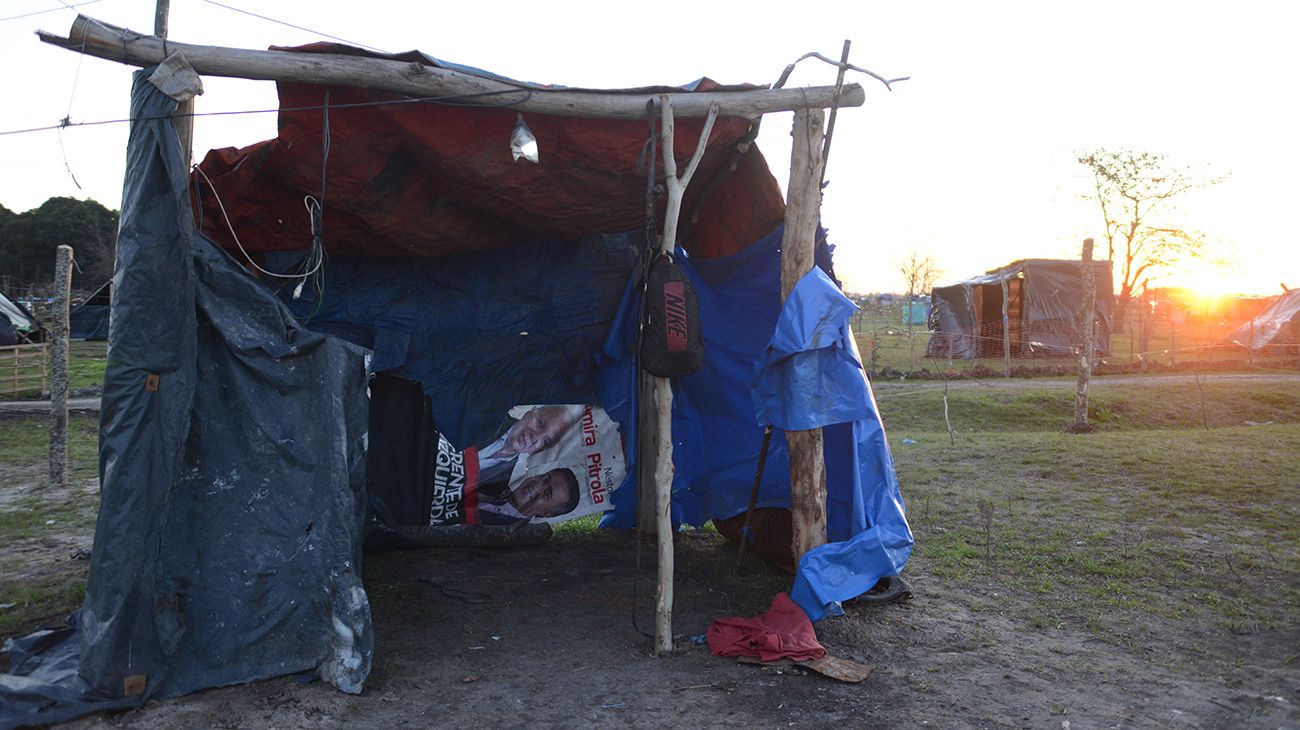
(671, 345)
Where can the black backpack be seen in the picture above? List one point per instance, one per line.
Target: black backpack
(671, 345)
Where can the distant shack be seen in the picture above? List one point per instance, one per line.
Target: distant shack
(1042, 297)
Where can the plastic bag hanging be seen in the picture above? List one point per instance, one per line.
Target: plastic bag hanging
(522, 142)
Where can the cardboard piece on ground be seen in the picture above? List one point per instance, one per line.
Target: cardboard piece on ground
(844, 670)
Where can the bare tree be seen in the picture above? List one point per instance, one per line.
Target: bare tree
(1137, 193)
(919, 273)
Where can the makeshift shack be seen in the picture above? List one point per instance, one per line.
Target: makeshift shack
(1276, 329)
(347, 320)
(17, 325)
(1029, 307)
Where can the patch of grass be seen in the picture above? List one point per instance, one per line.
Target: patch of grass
(584, 524)
(1116, 529)
(26, 441)
(47, 597)
(1111, 407)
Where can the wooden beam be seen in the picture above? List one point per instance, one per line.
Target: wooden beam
(102, 40)
(798, 243)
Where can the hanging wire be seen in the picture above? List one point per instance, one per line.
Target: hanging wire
(303, 275)
(449, 100)
(297, 27)
(65, 6)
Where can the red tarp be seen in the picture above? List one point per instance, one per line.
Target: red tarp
(784, 632)
(431, 179)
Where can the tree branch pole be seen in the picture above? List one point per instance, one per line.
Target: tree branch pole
(183, 119)
(59, 314)
(102, 40)
(1087, 311)
(663, 388)
(803, 205)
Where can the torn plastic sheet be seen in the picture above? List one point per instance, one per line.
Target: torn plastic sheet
(232, 470)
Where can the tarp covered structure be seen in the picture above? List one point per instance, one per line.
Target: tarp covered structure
(235, 416)
(18, 325)
(89, 321)
(1278, 326)
(1043, 302)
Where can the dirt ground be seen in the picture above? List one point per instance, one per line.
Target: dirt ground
(547, 641)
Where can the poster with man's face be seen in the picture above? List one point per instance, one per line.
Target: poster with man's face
(550, 464)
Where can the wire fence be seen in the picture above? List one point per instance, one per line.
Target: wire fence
(890, 345)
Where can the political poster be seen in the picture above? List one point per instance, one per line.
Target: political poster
(551, 463)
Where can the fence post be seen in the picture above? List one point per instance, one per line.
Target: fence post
(1173, 344)
(1006, 330)
(1087, 315)
(59, 311)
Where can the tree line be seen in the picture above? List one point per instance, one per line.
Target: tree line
(28, 241)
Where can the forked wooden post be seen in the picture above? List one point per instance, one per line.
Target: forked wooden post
(803, 205)
(59, 314)
(663, 388)
(1087, 309)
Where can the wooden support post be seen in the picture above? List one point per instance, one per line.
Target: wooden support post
(183, 119)
(59, 312)
(1087, 313)
(647, 447)
(1006, 329)
(803, 206)
(663, 388)
(1173, 337)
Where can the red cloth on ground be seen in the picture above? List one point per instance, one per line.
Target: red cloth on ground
(784, 632)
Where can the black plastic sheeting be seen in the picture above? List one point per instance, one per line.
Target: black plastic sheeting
(228, 542)
(90, 320)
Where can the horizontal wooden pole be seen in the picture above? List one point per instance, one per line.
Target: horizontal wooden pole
(102, 40)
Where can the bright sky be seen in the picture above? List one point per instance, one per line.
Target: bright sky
(971, 161)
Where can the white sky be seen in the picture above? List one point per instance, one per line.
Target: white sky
(971, 162)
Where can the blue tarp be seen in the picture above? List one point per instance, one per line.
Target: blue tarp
(480, 332)
(805, 372)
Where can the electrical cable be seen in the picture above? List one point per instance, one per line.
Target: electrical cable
(65, 6)
(297, 27)
(449, 100)
(231, 227)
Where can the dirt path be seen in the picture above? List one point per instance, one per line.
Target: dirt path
(553, 646)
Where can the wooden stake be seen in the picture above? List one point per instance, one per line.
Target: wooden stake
(1006, 329)
(183, 119)
(663, 388)
(1087, 309)
(798, 243)
(96, 38)
(59, 312)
